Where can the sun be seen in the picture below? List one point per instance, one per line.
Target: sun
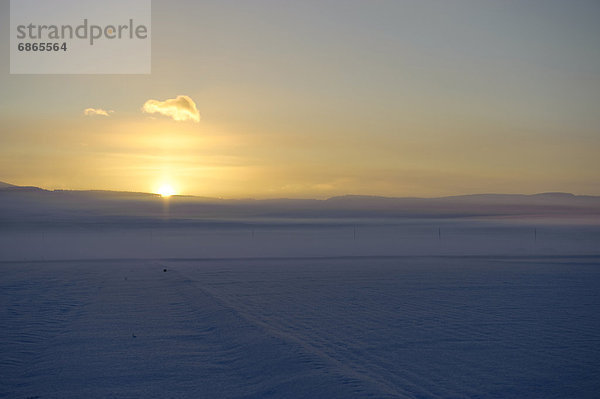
(166, 190)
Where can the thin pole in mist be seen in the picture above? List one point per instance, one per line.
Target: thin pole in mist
(354, 233)
(439, 233)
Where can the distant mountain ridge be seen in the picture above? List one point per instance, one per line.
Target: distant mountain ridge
(6, 185)
(338, 198)
(31, 204)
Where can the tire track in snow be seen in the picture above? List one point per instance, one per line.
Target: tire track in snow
(354, 370)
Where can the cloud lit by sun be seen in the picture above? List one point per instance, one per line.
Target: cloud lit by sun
(166, 190)
(181, 108)
(97, 111)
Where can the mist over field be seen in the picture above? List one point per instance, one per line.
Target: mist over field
(43, 225)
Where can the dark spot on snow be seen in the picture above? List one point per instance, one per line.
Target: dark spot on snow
(165, 270)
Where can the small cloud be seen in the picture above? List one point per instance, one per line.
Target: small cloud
(181, 108)
(96, 111)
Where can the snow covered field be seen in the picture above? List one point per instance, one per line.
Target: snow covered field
(415, 327)
(469, 297)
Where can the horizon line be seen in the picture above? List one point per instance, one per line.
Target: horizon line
(561, 193)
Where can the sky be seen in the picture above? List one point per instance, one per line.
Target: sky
(312, 99)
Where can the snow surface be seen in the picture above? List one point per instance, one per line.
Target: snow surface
(400, 327)
(353, 297)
